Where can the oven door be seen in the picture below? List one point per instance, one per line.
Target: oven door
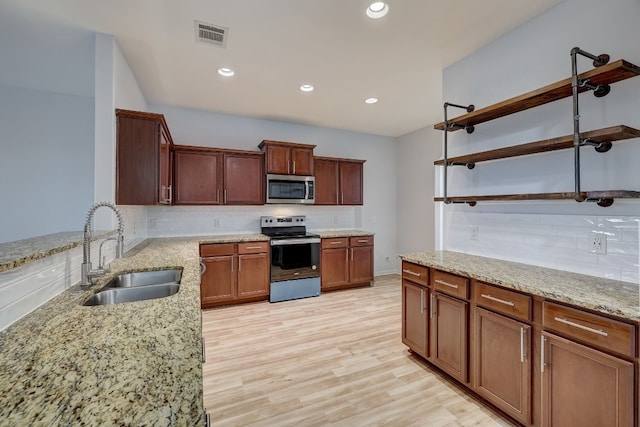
(293, 259)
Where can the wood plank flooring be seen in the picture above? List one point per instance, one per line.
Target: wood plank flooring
(332, 360)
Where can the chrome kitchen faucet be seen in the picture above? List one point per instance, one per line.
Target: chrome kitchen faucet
(87, 272)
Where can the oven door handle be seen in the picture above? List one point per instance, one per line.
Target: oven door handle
(301, 241)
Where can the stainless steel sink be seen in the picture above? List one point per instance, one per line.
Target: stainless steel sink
(129, 294)
(145, 278)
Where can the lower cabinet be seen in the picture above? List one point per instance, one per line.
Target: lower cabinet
(449, 335)
(502, 363)
(346, 262)
(539, 362)
(234, 273)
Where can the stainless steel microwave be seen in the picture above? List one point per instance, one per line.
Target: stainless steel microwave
(291, 189)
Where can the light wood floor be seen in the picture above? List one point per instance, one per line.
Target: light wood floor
(336, 359)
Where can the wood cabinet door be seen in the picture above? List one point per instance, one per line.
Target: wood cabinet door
(334, 269)
(326, 173)
(197, 178)
(301, 161)
(351, 183)
(253, 275)
(361, 264)
(137, 161)
(584, 387)
(415, 318)
(165, 195)
(449, 331)
(277, 159)
(502, 363)
(218, 283)
(243, 179)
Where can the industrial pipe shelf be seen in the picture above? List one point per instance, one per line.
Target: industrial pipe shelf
(602, 198)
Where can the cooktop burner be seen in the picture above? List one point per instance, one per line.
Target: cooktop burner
(285, 227)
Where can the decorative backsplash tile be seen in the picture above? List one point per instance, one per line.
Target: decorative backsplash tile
(553, 241)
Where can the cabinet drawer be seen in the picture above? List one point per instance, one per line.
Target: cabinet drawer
(591, 328)
(450, 284)
(253, 247)
(361, 241)
(415, 273)
(215, 249)
(502, 300)
(336, 242)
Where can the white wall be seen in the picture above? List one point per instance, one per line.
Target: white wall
(416, 183)
(552, 234)
(378, 214)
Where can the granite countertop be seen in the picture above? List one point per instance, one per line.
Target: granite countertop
(331, 234)
(19, 252)
(595, 293)
(135, 363)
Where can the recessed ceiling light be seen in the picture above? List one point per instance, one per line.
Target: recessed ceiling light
(377, 9)
(371, 100)
(226, 72)
(306, 88)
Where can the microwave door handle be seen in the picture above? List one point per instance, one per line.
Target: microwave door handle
(306, 190)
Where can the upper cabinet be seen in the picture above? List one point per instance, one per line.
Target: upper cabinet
(213, 176)
(338, 181)
(286, 158)
(143, 159)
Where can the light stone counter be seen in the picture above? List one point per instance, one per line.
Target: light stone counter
(604, 295)
(332, 234)
(135, 363)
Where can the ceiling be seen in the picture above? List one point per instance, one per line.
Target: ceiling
(274, 46)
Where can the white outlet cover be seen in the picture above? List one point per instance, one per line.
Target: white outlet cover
(598, 243)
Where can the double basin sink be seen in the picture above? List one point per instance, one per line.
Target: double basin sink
(138, 286)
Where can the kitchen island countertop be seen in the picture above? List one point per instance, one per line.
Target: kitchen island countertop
(604, 295)
(135, 363)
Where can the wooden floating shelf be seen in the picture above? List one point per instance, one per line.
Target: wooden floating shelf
(610, 73)
(615, 133)
(589, 195)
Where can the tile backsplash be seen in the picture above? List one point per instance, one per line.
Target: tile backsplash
(554, 241)
(206, 220)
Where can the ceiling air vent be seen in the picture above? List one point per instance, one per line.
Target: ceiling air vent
(210, 33)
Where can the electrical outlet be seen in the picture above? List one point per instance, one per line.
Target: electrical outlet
(598, 243)
(216, 222)
(475, 232)
(153, 223)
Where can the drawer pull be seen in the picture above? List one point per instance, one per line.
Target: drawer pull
(334, 243)
(579, 326)
(501, 301)
(253, 247)
(363, 241)
(413, 273)
(442, 282)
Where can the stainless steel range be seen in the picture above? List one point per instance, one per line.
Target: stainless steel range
(295, 258)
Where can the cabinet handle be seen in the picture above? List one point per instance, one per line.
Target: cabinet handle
(239, 264)
(522, 353)
(170, 194)
(442, 282)
(413, 273)
(335, 243)
(294, 167)
(204, 352)
(542, 362)
(433, 307)
(342, 202)
(225, 196)
(232, 265)
(253, 247)
(207, 420)
(421, 301)
(363, 241)
(203, 268)
(501, 301)
(351, 254)
(346, 257)
(579, 326)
